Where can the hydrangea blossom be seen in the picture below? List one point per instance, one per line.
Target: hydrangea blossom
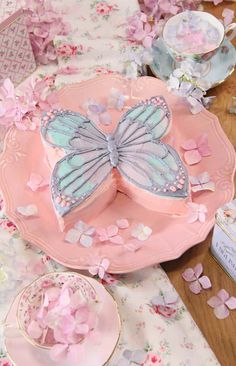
(44, 24)
(186, 82)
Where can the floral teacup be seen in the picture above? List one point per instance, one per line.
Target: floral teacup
(57, 312)
(195, 35)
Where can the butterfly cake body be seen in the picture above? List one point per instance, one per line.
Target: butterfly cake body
(89, 166)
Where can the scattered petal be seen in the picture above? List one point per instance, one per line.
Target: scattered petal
(122, 223)
(36, 181)
(72, 236)
(28, 211)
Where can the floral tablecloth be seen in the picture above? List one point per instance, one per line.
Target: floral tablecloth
(169, 337)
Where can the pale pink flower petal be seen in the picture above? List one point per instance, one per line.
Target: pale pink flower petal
(205, 282)
(112, 230)
(189, 145)
(28, 211)
(72, 236)
(231, 303)
(228, 16)
(188, 275)
(36, 181)
(86, 241)
(34, 330)
(192, 157)
(221, 312)
(223, 295)
(122, 223)
(198, 269)
(214, 302)
(195, 287)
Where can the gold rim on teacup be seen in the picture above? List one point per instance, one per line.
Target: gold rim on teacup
(199, 56)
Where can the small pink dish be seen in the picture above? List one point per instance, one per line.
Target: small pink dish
(171, 235)
(21, 351)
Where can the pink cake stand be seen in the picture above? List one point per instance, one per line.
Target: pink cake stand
(172, 236)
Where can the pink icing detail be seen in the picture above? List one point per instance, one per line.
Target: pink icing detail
(58, 199)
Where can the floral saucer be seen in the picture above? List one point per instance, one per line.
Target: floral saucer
(21, 352)
(221, 65)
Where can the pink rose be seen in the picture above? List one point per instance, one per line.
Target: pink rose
(166, 311)
(67, 50)
(103, 8)
(5, 362)
(152, 360)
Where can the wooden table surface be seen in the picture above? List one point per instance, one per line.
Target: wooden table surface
(220, 334)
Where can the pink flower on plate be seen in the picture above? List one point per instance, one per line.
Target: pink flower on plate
(197, 282)
(99, 268)
(152, 360)
(197, 212)
(222, 303)
(141, 232)
(110, 234)
(195, 150)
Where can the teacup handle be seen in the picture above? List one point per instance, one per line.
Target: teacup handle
(228, 28)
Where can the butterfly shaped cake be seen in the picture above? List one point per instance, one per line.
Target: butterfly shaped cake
(89, 166)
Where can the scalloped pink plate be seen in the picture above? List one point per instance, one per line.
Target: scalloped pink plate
(172, 236)
(23, 353)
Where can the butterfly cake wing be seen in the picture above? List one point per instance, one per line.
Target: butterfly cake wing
(150, 170)
(82, 180)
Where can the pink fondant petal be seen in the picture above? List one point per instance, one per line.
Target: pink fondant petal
(72, 236)
(188, 275)
(34, 181)
(195, 287)
(101, 272)
(223, 295)
(214, 302)
(231, 303)
(221, 312)
(93, 270)
(28, 211)
(205, 282)
(198, 269)
(122, 223)
(192, 157)
(192, 217)
(203, 146)
(86, 241)
(112, 230)
(189, 145)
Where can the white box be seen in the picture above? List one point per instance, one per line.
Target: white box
(223, 245)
